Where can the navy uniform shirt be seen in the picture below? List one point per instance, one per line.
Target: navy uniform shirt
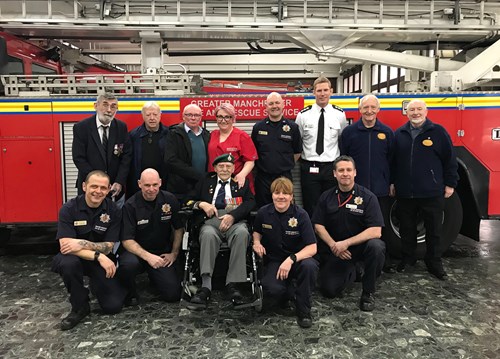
(150, 223)
(350, 215)
(78, 220)
(371, 149)
(276, 143)
(283, 233)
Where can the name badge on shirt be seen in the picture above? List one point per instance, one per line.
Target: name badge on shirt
(351, 206)
(263, 133)
(80, 223)
(267, 226)
(142, 221)
(313, 169)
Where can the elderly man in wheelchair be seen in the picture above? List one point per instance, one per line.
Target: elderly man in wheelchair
(222, 206)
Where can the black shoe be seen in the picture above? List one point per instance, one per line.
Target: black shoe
(75, 317)
(304, 320)
(202, 296)
(367, 302)
(389, 269)
(132, 300)
(234, 294)
(403, 265)
(437, 270)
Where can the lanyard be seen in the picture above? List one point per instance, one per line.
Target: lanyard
(343, 203)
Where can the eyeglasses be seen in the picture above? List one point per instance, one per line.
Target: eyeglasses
(223, 118)
(192, 115)
(110, 106)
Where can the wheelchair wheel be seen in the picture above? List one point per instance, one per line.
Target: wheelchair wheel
(259, 298)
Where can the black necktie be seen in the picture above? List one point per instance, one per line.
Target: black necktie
(321, 133)
(105, 138)
(221, 196)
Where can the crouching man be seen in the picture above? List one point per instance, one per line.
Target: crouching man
(87, 229)
(152, 235)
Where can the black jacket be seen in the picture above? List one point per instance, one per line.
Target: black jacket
(88, 153)
(182, 177)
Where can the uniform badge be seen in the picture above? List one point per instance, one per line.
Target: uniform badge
(229, 157)
(381, 136)
(118, 149)
(80, 223)
(428, 142)
(263, 133)
(286, 128)
(165, 208)
(104, 218)
(292, 222)
(358, 200)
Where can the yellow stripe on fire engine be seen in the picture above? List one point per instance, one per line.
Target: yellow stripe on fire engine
(482, 101)
(123, 105)
(25, 107)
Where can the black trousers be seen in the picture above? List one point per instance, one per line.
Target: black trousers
(263, 182)
(431, 210)
(314, 184)
(304, 272)
(108, 291)
(385, 207)
(336, 274)
(165, 279)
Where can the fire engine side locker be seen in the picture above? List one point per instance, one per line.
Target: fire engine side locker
(28, 181)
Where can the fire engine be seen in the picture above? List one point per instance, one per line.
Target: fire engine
(37, 113)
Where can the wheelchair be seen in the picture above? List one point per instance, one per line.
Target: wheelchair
(192, 279)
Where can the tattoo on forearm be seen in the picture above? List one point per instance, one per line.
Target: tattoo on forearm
(103, 247)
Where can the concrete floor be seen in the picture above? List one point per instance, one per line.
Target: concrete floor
(417, 316)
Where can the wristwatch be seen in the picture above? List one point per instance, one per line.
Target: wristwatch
(96, 256)
(293, 257)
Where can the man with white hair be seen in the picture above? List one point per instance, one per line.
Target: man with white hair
(148, 146)
(369, 142)
(424, 173)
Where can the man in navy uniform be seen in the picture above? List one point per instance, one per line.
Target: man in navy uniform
(284, 236)
(225, 207)
(88, 227)
(349, 222)
(102, 142)
(424, 173)
(148, 147)
(186, 154)
(152, 236)
(278, 145)
(320, 126)
(369, 142)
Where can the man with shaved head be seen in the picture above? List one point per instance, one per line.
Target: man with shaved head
(186, 153)
(278, 145)
(151, 234)
(424, 173)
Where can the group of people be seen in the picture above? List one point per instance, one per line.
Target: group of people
(348, 173)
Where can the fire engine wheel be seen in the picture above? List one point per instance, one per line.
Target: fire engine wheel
(452, 221)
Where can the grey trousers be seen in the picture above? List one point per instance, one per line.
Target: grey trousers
(211, 239)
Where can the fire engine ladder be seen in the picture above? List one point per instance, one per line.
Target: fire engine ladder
(163, 84)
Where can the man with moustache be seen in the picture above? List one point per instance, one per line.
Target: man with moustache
(349, 222)
(369, 142)
(186, 154)
(148, 147)
(152, 235)
(102, 142)
(320, 126)
(278, 145)
(424, 171)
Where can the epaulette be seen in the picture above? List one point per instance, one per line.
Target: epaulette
(337, 108)
(212, 174)
(305, 109)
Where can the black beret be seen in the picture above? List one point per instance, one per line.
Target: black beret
(227, 157)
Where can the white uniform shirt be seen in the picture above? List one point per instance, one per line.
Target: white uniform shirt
(335, 122)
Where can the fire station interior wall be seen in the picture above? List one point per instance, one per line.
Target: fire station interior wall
(247, 126)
